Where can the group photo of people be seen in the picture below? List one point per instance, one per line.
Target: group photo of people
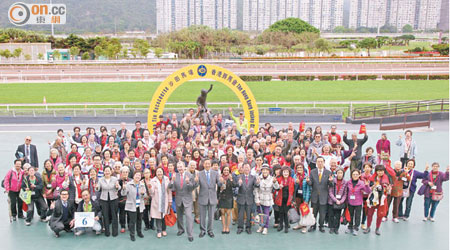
(200, 170)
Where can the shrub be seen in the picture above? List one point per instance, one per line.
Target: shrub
(416, 77)
(326, 78)
(367, 77)
(438, 77)
(297, 78)
(256, 78)
(393, 77)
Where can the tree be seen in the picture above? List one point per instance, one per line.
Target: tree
(6, 54)
(407, 28)
(85, 56)
(381, 41)
(98, 51)
(368, 43)
(441, 48)
(124, 53)
(342, 29)
(40, 56)
(293, 24)
(74, 51)
(142, 47)
(56, 54)
(17, 52)
(406, 38)
(158, 52)
(322, 45)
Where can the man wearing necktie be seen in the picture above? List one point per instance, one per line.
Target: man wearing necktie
(208, 181)
(27, 153)
(63, 214)
(245, 198)
(183, 184)
(319, 181)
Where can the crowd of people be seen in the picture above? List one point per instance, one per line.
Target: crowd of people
(220, 172)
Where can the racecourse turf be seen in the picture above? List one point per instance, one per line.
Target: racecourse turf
(110, 92)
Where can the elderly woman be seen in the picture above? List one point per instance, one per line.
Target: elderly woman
(284, 197)
(135, 192)
(55, 158)
(408, 148)
(124, 177)
(263, 195)
(109, 185)
(148, 221)
(161, 200)
(432, 190)
(34, 184)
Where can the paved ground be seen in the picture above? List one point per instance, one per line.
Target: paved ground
(159, 72)
(414, 234)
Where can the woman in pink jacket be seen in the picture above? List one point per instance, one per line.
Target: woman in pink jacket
(161, 200)
(355, 189)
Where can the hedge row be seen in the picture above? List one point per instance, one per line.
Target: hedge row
(256, 78)
(297, 78)
(346, 77)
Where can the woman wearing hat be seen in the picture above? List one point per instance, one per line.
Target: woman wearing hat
(263, 195)
(284, 197)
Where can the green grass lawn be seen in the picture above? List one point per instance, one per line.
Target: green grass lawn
(263, 91)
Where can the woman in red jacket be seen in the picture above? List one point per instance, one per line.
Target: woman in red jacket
(377, 199)
(284, 197)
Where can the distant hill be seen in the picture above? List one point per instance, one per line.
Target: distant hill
(104, 16)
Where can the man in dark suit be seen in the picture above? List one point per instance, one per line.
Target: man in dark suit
(319, 180)
(183, 184)
(245, 184)
(27, 153)
(208, 180)
(63, 214)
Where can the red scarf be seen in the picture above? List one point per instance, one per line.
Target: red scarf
(433, 180)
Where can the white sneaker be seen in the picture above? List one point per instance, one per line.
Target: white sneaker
(405, 218)
(432, 220)
(27, 223)
(98, 232)
(264, 231)
(78, 233)
(304, 230)
(363, 226)
(395, 220)
(297, 227)
(384, 219)
(260, 229)
(425, 219)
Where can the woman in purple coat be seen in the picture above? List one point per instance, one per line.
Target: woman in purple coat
(355, 189)
(432, 190)
(337, 196)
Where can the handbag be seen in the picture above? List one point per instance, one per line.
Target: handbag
(170, 218)
(338, 206)
(304, 209)
(217, 214)
(406, 191)
(24, 195)
(293, 216)
(308, 219)
(261, 218)
(437, 196)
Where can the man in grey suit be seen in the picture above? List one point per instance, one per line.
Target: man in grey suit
(207, 198)
(245, 183)
(183, 184)
(319, 180)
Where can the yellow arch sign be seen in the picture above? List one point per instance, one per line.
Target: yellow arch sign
(200, 71)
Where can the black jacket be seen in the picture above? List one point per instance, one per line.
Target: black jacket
(33, 154)
(57, 215)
